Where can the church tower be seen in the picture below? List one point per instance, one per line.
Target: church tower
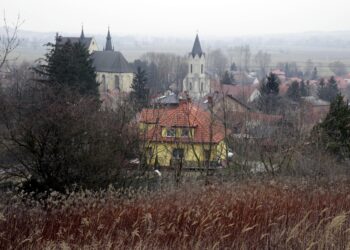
(196, 83)
(108, 46)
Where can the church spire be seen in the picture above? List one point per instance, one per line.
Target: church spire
(82, 36)
(109, 42)
(197, 49)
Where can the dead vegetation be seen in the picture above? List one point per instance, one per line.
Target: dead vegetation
(249, 215)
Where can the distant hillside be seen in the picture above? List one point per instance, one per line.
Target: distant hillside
(322, 47)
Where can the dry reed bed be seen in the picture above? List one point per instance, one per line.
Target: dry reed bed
(250, 215)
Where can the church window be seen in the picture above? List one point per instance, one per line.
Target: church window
(190, 87)
(201, 86)
(116, 82)
(104, 84)
(201, 68)
(191, 68)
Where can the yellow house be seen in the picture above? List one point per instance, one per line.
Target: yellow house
(185, 133)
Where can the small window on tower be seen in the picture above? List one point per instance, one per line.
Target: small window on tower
(191, 68)
(201, 68)
(190, 87)
(201, 86)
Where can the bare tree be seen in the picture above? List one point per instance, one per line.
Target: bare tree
(263, 60)
(217, 62)
(9, 40)
(57, 142)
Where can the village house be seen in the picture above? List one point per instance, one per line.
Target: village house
(183, 132)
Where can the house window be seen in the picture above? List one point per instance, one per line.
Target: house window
(185, 132)
(104, 84)
(201, 68)
(178, 153)
(191, 68)
(116, 82)
(171, 132)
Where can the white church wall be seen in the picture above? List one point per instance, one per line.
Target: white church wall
(108, 81)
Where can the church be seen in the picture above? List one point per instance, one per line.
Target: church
(113, 71)
(196, 82)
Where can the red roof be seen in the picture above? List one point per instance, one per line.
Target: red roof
(254, 116)
(187, 115)
(283, 88)
(238, 91)
(342, 83)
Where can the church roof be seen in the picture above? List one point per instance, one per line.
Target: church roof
(110, 61)
(86, 41)
(197, 49)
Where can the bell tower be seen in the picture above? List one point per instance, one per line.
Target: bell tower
(196, 83)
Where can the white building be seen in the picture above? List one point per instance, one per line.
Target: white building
(196, 83)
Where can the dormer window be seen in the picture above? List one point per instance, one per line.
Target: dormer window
(185, 132)
(171, 132)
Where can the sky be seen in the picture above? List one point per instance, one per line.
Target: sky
(182, 18)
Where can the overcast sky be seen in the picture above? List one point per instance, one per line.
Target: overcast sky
(219, 18)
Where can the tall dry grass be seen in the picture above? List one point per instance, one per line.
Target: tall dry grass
(250, 215)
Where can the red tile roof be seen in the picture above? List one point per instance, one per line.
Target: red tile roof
(254, 116)
(238, 91)
(186, 114)
(283, 88)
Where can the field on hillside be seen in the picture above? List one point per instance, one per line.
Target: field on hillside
(246, 215)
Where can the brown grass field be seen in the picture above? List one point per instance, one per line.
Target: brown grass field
(247, 215)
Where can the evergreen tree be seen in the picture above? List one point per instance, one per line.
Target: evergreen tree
(233, 67)
(304, 90)
(227, 78)
(328, 91)
(69, 65)
(270, 85)
(294, 92)
(314, 74)
(269, 100)
(140, 91)
(333, 88)
(334, 131)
